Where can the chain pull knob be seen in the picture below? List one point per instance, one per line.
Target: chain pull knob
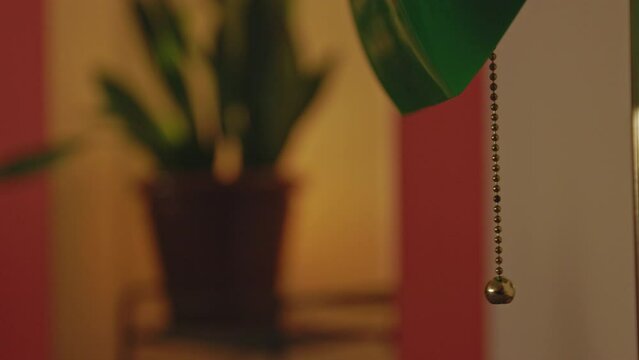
(499, 290)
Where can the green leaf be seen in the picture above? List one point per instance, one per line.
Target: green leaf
(30, 163)
(281, 111)
(427, 51)
(139, 124)
(173, 25)
(141, 127)
(262, 90)
(229, 62)
(166, 43)
(277, 90)
(162, 31)
(176, 85)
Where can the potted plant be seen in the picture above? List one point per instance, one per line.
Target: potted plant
(220, 243)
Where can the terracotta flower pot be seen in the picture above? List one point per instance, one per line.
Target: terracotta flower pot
(220, 247)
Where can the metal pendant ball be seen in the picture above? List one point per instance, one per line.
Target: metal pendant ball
(499, 291)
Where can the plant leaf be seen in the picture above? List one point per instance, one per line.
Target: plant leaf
(262, 90)
(172, 23)
(30, 163)
(230, 64)
(177, 87)
(282, 112)
(279, 91)
(134, 117)
(162, 31)
(427, 51)
(167, 46)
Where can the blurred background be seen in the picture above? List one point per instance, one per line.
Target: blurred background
(339, 235)
(329, 188)
(200, 179)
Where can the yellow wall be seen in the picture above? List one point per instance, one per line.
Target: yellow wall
(342, 229)
(344, 160)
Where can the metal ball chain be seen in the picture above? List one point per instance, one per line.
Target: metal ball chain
(494, 127)
(499, 290)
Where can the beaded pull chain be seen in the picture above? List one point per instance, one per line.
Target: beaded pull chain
(499, 290)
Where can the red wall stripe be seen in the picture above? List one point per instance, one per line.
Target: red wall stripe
(442, 224)
(24, 292)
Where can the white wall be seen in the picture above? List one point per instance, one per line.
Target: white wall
(564, 75)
